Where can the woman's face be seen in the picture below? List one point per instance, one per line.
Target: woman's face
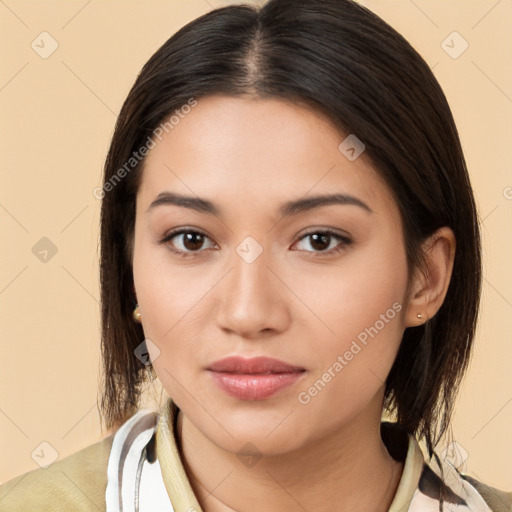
(255, 275)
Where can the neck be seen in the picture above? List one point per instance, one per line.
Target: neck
(350, 468)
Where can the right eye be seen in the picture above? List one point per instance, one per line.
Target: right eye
(188, 241)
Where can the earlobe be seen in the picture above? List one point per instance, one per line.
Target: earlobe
(431, 284)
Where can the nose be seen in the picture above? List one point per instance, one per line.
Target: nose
(252, 298)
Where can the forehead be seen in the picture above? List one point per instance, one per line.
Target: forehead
(250, 150)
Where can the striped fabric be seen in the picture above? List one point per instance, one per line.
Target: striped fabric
(144, 469)
(135, 481)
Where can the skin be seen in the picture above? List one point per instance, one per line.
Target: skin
(293, 302)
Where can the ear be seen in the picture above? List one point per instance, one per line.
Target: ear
(430, 285)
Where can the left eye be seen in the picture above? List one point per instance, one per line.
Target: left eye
(325, 241)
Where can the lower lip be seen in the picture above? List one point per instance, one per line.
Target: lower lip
(254, 386)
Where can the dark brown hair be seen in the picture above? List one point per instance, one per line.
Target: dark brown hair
(347, 63)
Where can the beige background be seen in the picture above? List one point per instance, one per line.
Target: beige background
(58, 114)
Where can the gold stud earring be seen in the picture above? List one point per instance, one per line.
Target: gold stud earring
(136, 314)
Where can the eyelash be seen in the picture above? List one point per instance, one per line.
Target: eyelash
(337, 249)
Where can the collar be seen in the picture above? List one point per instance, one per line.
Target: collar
(175, 479)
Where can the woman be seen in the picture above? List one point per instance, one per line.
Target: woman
(290, 245)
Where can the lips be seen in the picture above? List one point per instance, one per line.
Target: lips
(252, 379)
(255, 365)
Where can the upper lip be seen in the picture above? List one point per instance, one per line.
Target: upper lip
(255, 365)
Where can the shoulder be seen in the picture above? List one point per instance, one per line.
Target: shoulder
(496, 499)
(76, 483)
(443, 479)
(437, 482)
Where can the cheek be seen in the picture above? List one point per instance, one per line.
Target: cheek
(166, 290)
(361, 304)
(352, 295)
(170, 297)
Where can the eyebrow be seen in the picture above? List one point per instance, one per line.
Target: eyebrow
(289, 208)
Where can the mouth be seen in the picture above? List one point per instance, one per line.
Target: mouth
(255, 366)
(253, 379)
